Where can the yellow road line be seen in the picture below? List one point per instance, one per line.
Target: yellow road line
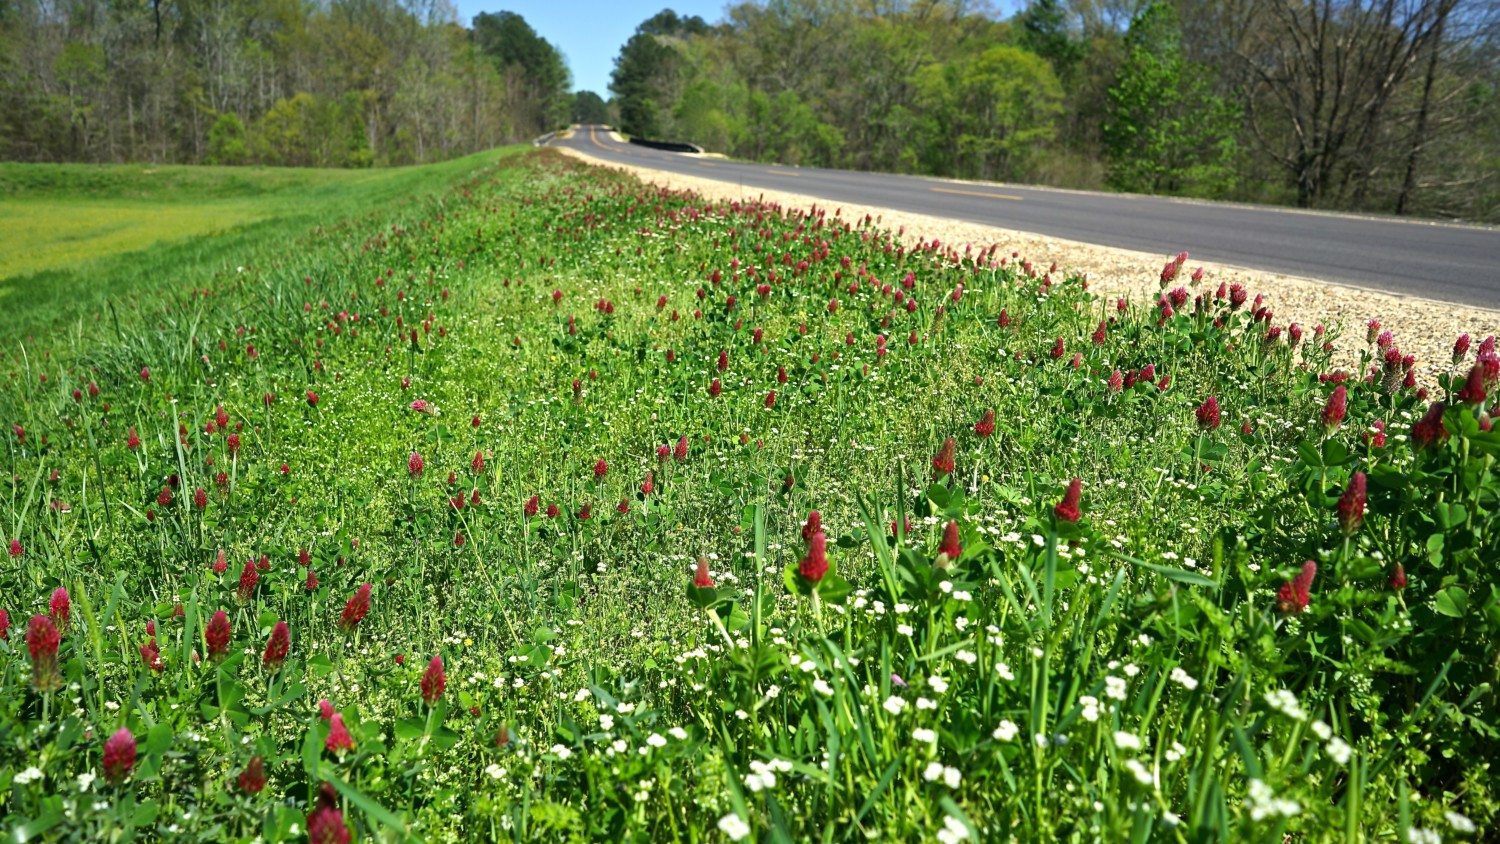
(977, 193)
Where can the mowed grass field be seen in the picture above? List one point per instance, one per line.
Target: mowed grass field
(75, 235)
(513, 499)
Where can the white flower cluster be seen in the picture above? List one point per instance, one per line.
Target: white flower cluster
(1263, 803)
(1283, 701)
(763, 774)
(950, 776)
(953, 831)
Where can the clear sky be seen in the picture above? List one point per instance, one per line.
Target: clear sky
(590, 32)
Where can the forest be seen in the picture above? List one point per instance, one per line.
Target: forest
(1372, 105)
(342, 83)
(1386, 106)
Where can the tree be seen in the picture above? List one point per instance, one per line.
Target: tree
(589, 107)
(1322, 78)
(1044, 30)
(1165, 133)
(989, 115)
(226, 140)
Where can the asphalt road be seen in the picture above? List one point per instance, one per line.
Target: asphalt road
(1453, 263)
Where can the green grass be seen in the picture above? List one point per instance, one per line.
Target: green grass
(456, 403)
(77, 235)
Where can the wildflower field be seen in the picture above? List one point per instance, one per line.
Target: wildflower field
(551, 506)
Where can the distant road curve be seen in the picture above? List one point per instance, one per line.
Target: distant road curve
(1433, 260)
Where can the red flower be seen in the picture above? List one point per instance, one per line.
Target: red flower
(312, 398)
(15, 548)
(600, 469)
(312, 580)
(1351, 506)
(623, 506)
(1208, 414)
(1294, 595)
(723, 360)
(1375, 438)
(1101, 333)
(233, 443)
(1398, 575)
(355, 609)
(4, 626)
(985, 426)
(648, 487)
(701, 578)
(531, 506)
(1004, 319)
(813, 527)
(338, 740)
(1460, 348)
(249, 577)
(414, 465)
(60, 609)
(949, 550)
(216, 636)
(1116, 381)
(477, 466)
(200, 498)
(681, 452)
(132, 441)
(942, 464)
(151, 655)
(552, 511)
(253, 778)
(1058, 349)
(771, 399)
(146, 373)
(815, 564)
(433, 681)
(326, 822)
(325, 709)
(1337, 406)
(1429, 430)
(1473, 393)
(277, 646)
(119, 755)
(1067, 509)
(42, 639)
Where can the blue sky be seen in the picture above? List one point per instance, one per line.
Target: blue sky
(590, 33)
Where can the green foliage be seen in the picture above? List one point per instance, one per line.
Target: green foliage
(987, 116)
(589, 108)
(1166, 133)
(226, 141)
(1044, 30)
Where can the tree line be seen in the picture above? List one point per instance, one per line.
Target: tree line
(335, 83)
(1373, 105)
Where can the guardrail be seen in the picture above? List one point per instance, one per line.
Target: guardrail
(669, 146)
(544, 139)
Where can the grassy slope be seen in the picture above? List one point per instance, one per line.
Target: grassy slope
(79, 234)
(530, 614)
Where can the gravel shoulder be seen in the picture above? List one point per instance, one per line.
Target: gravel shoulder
(1423, 327)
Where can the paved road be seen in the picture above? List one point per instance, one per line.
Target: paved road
(1436, 260)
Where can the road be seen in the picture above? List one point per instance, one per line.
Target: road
(1452, 263)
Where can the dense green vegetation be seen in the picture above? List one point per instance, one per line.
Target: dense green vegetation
(78, 236)
(554, 506)
(1380, 105)
(348, 83)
